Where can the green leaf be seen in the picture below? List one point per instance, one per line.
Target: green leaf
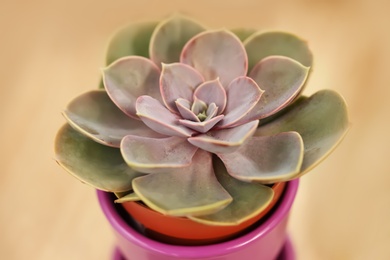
(97, 165)
(128, 197)
(94, 115)
(189, 191)
(243, 33)
(249, 200)
(261, 45)
(131, 40)
(169, 38)
(322, 122)
(282, 80)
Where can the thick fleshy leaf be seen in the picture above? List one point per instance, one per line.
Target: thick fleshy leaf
(249, 199)
(151, 155)
(242, 95)
(204, 126)
(128, 78)
(282, 79)
(96, 116)
(97, 165)
(224, 140)
(322, 122)
(178, 81)
(212, 111)
(266, 159)
(189, 191)
(264, 44)
(184, 107)
(216, 54)
(243, 33)
(212, 92)
(159, 118)
(128, 197)
(130, 40)
(169, 38)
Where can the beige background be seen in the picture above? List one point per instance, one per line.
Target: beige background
(52, 51)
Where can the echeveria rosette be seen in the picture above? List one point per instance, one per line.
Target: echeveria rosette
(186, 120)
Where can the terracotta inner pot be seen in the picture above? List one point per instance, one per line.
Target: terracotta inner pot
(183, 231)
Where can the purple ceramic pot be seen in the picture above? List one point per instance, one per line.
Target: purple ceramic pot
(264, 242)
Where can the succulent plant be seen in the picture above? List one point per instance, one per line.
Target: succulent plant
(196, 122)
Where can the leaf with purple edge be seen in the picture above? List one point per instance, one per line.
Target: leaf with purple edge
(154, 155)
(242, 95)
(322, 122)
(96, 116)
(282, 80)
(266, 159)
(216, 54)
(224, 140)
(178, 81)
(185, 111)
(263, 44)
(189, 191)
(128, 78)
(202, 127)
(212, 92)
(159, 118)
(97, 165)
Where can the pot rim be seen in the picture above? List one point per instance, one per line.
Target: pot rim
(228, 247)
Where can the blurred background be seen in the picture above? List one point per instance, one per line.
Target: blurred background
(53, 50)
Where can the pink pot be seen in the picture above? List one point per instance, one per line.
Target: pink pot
(267, 241)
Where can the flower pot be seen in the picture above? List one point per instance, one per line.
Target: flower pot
(183, 231)
(265, 241)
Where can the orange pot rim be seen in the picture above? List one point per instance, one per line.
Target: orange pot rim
(181, 230)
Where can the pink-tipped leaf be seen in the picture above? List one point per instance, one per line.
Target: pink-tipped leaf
(216, 54)
(212, 92)
(128, 78)
(224, 140)
(204, 126)
(178, 81)
(242, 95)
(159, 118)
(282, 79)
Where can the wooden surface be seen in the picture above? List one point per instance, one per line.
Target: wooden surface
(52, 51)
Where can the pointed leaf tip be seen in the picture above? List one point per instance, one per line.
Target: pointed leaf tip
(216, 54)
(128, 78)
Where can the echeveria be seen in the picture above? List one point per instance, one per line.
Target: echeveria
(181, 128)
